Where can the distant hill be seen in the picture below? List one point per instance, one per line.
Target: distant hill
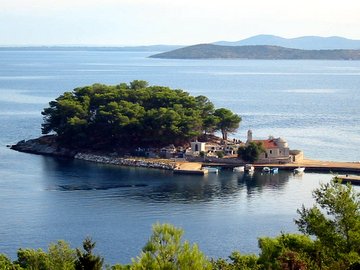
(210, 51)
(304, 43)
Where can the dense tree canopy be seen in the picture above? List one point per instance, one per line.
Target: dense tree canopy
(134, 114)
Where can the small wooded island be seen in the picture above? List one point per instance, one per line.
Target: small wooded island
(124, 118)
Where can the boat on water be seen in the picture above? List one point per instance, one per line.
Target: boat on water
(239, 169)
(299, 170)
(270, 170)
(249, 168)
(211, 169)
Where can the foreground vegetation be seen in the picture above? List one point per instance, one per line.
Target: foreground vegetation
(330, 239)
(133, 115)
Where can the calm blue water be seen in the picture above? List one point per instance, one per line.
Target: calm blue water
(313, 104)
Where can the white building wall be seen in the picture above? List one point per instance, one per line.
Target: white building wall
(197, 147)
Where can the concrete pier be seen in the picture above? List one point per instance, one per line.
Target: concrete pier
(190, 168)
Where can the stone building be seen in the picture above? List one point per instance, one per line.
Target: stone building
(276, 150)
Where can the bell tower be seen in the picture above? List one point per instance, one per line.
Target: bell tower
(249, 136)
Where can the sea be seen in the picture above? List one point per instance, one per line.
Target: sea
(314, 105)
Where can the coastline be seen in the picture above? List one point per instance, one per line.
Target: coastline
(46, 145)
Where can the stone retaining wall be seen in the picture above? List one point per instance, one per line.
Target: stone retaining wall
(125, 161)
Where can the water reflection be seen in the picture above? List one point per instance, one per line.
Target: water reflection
(151, 185)
(263, 181)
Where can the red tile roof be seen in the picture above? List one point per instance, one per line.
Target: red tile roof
(268, 144)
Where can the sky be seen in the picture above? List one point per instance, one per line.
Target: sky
(184, 22)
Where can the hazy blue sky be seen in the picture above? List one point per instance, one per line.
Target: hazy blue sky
(137, 22)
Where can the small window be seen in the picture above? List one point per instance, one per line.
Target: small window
(270, 151)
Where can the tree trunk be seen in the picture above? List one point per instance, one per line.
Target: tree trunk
(224, 134)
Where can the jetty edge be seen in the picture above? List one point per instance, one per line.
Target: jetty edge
(310, 165)
(352, 179)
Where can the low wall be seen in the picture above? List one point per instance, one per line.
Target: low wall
(126, 161)
(230, 161)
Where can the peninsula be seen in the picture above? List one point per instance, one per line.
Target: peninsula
(266, 52)
(149, 126)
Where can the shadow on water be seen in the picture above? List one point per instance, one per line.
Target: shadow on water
(152, 185)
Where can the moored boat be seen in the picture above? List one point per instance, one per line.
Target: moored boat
(249, 168)
(239, 169)
(211, 169)
(299, 170)
(266, 169)
(274, 170)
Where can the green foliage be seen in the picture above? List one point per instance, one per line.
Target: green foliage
(138, 84)
(135, 114)
(31, 259)
(118, 267)
(335, 222)
(227, 122)
(207, 109)
(6, 264)
(87, 260)
(286, 251)
(237, 261)
(220, 154)
(251, 152)
(61, 256)
(165, 250)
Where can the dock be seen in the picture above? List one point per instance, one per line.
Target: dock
(353, 179)
(190, 168)
(310, 165)
(319, 166)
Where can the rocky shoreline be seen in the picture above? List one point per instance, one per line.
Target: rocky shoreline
(134, 162)
(46, 145)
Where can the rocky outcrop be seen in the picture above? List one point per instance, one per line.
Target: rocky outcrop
(45, 145)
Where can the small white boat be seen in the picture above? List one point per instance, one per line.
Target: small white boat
(274, 170)
(211, 169)
(266, 170)
(239, 169)
(299, 170)
(249, 168)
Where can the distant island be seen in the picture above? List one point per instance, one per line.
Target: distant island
(266, 52)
